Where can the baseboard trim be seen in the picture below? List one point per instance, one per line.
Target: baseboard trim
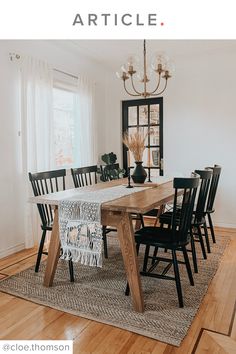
(228, 226)
(10, 250)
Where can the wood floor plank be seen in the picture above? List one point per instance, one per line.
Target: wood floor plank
(14, 313)
(130, 342)
(91, 337)
(65, 327)
(159, 348)
(21, 319)
(114, 341)
(233, 328)
(21, 265)
(35, 320)
(17, 257)
(145, 343)
(225, 342)
(215, 343)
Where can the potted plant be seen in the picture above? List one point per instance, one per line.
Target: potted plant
(111, 169)
(135, 142)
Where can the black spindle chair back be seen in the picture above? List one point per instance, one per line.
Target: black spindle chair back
(182, 213)
(205, 178)
(44, 183)
(84, 176)
(216, 171)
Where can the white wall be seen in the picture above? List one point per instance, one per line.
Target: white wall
(199, 121)
(11, 208)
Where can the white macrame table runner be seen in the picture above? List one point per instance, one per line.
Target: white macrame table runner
(80, 223)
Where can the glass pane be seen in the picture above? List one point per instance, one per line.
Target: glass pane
(132, 164)
(145, 157)
(148, 156)
(154, 136)
(132, 130)
(145, 132)
(64, 138)
(154, 114)
(143, 115)
(155, 157)
(155, 173)
(132, 116)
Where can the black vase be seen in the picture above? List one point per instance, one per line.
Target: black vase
(139, 174)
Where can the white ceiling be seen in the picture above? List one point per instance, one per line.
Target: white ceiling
(113, 53)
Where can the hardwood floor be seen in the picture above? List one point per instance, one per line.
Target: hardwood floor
(213, 329)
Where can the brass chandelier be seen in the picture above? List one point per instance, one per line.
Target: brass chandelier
(160, 65)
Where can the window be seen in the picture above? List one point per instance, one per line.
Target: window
(64, 121)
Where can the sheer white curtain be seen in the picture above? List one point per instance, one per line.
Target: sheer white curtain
(85, 122)
(36, 132)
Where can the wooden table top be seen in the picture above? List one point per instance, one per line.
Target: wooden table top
(139, 202)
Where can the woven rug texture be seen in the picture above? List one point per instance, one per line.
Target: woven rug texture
(98, 293)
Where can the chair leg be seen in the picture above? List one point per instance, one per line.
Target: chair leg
(211, 228)
(71, 270)
(193, 248)
(154, 254)
(207, 238)
(127, 290)
(40, 251)
(188, 267)
(104, 237)
(177, 279)
(201, 242)
(141, 219)
(145, 261)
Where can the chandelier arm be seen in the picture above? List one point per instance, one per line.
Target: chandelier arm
(131, 94)
(159, 93)
(158, 84)
(132, 81)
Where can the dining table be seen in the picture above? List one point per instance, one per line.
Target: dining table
(116, 213)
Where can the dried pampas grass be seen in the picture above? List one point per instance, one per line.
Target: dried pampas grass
(135, 143)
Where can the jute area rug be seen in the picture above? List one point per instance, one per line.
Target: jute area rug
(98, 294)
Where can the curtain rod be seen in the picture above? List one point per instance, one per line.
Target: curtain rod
(16, 56)
(65, 73)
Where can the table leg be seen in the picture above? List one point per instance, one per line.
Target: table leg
(128, 249)
(160, 211)
(53, 252)
(138, 224)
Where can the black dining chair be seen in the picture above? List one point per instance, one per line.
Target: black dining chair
(216, 171)
(198, 221)
(86, 176)
(174, 238)
(44, 183)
